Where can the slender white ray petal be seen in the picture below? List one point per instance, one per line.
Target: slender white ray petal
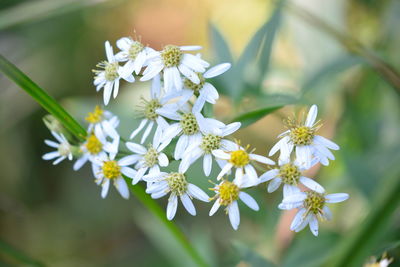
(269, 175)
(207, 164)
(298, 219)
(215, 207)
(217, 70)
(196, 192)
(188, 204)
(105, 186)
(141, 126)
(234, 215)
(314, 225)
(261, 159)
(312, 115)
(274, 184)
(249, 201)
(172, 206)
(336, 198)
(122, 187)
(325, 142)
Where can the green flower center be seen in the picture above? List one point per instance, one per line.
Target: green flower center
(150, 107)
(111, 169)
(228, 192)
(195, 87)
(301, 135)
(314, 202)
(177, 183)
(189, 124)
(171, 56)
(290, 174)
(210, 142)
(135, 49)
(110, 71)
(151, 157)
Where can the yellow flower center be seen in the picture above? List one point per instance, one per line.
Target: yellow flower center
(111, 169)
(228, 192)
(150, 107)
(290, 174)
(189, 124)
(301, 135)
(135, 49)
(314, 202)
(151, 157)
(195, 87)
(239, 158)
(95, 116)
(210, 142)
(177, 183)
(171, 56)
(93, 145)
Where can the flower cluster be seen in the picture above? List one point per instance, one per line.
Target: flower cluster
(173, 117)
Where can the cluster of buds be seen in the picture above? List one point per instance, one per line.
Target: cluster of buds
(174, 117)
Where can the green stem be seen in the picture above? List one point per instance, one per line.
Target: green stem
(46, 101)
(17, 256)
(72, 125)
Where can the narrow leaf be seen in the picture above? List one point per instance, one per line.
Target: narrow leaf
(17, 256)
(251, 117)
(219, 44)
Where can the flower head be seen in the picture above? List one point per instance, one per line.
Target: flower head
(63, 149)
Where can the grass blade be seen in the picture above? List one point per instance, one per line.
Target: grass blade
(17, 256)
(252, 116)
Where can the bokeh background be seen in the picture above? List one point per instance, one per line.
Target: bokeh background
(57, 217)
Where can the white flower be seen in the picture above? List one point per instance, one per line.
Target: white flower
(205, 91)
(110, 75)
(63, 149)
(289, 173)
(210, 141)
(227, 194)
(106, 169)
(311, 207)
(175, 183)
(134, 52)
(147, 159)
(96, 143)
(156, 110)
(307, 143)
(173, 62)
(190, 128)
(104, 121)
(240, 159)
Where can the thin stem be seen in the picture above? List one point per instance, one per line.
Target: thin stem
(17, 255)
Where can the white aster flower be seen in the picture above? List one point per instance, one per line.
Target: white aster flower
(155, 111)
(175, 183)
(107, 169)
(209, 142)
(173, 61)
(290, 174)
(302, 136)
(63, 148)
(240, 159)
(110, 75)
(227, 194)
(190, 127)
(134, 53)
(104, 121)
(205, 91)
(311, 207)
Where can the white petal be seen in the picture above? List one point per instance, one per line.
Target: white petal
(109, 52)
(249, 201)
(224, 170)
(313, 185)
(181, 146)
(107, 92)
(51, 155)
(116, 88)
(261, 159)
(188, 204)
(234, 215)
(128, 160)
(231, 128)
(290, 190)
(129, 172)
(215, 207)
(335, 198)
(207, 164)
(196, 192)
(122, 187)
(137, 130)
(172, 206)
(51, 143)
(190, 47)
(325, 142)
(269, 175)
(312, 115)
(188, 73)
(80, 162)
(327, 213)
(105, 186)
(136, 148)
(274, 184)
(295, 198)
(217, 70)
(314, 225)
(221, 154)
(147, 132)
(124, 43)
(298, 219)
(251, 173)
(151, 71)
(177, 78)
(163, 160)
(59, 160)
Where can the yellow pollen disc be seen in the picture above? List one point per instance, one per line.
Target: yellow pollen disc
(171, 56)
(150, 108)
(111, 71)
(177, 183)
(289, 174)
(135, 49)
(195, 87)
(93, 145)
(95, 116)
(151, 157)
(314, 202)
(189, 124)
(111, 169)
(302, 135)
(210, 142)
(239, 158)
(228, 192)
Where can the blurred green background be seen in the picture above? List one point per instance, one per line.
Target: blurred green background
(57, 217)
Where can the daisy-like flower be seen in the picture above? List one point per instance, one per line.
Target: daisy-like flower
(134, 53)
(205, 91)
(311, 207)
(302, 137)
(148, 159)
(290, 174)
(103, 120)
(240, 159)
(204, 147)
(109, 76)
(173, 61)
(96, 143)
(107, 169)
(63, 148)
(176, 184)
(227, 194)
(190, 127)
(155, 110)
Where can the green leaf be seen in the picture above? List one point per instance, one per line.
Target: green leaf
(17, 256)
(248, 257)
(46, 101)
(219, 44)
(251, 117)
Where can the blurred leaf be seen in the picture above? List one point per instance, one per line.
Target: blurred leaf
(46, 101)
(249, 257)
(40, 9)
(17, 256)
(219, 44)
(251, 117)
